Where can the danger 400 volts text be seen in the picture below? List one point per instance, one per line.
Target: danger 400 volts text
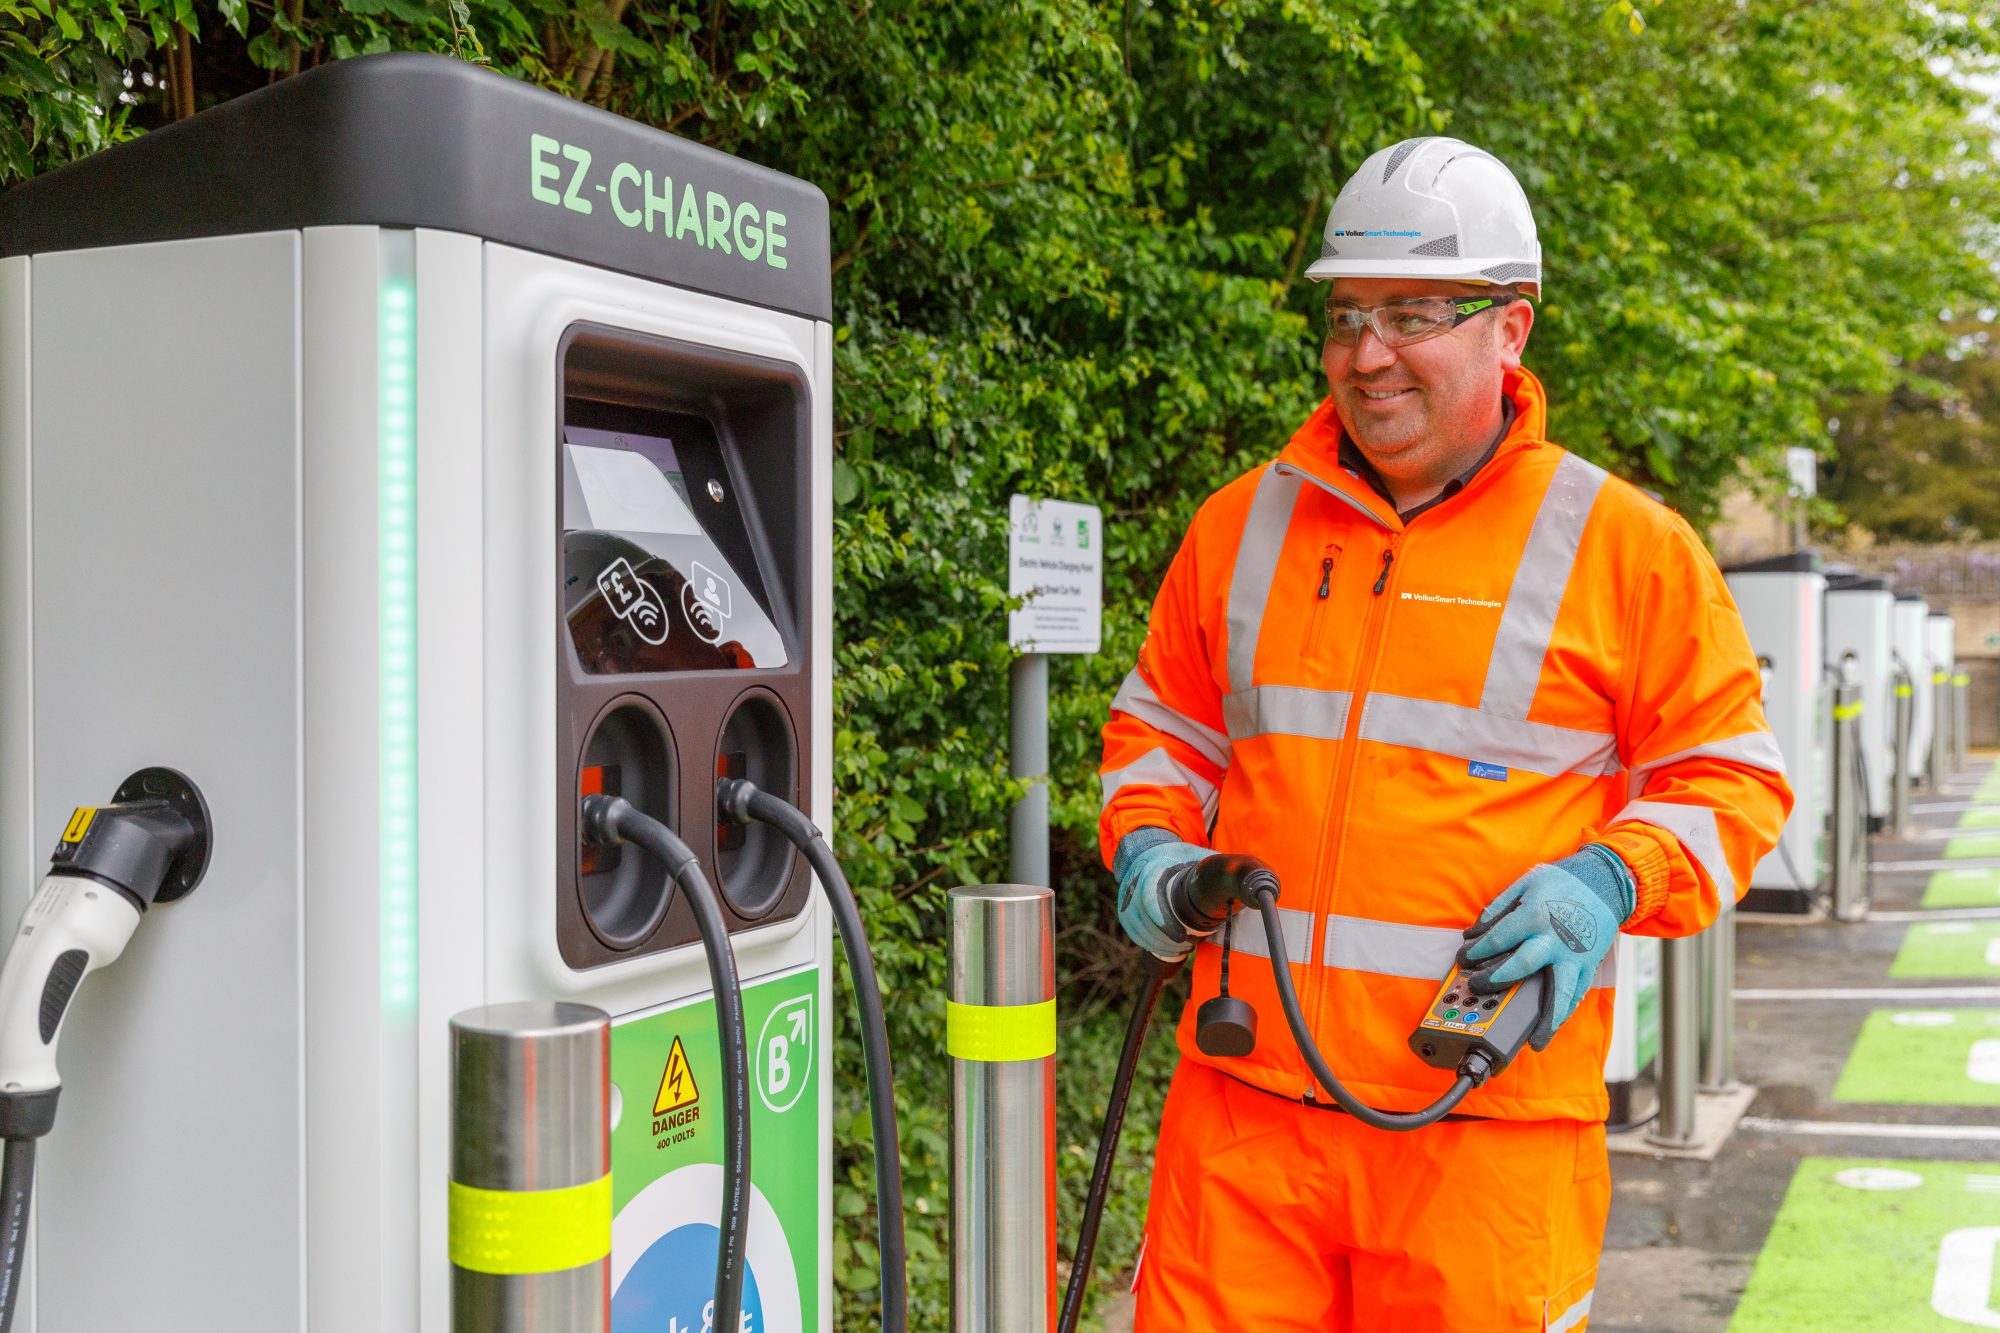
(560, 174)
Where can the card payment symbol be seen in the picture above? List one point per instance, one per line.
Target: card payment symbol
(633, 601)
(707, 602)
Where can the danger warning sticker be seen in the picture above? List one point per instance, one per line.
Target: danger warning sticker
(675, 1108)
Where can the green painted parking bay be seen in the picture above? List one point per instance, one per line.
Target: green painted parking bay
(1879, 1247)
(1985, 816)
(1949, 949)
(1925, 1057)
(1970, 887)
(1973, 846)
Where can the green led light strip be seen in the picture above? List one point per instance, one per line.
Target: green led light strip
(396, 563)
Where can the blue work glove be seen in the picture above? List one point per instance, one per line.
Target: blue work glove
(1144, 859)
(1564, 917)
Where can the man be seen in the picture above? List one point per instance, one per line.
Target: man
(1435, 671)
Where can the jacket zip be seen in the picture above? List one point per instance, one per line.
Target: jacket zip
(1316, 628)
(1373, 636)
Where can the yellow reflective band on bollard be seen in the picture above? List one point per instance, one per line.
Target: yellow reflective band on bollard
(1938, 678)
(1842, 712)
(512, 1232)
(1904, 691)
(996, 1032)
(1961, 679)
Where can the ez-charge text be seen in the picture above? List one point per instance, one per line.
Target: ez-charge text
(560, 173)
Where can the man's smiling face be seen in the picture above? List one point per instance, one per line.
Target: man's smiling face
(1418, 409)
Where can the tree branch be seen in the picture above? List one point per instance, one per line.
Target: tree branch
(597, 59)
(853, 252)
(180, 75)
(1314, 203)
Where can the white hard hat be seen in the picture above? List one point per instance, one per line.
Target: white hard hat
(1432, 208)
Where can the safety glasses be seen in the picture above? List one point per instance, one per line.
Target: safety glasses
(1409, 320)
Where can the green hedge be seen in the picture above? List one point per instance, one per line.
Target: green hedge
(1068, 237)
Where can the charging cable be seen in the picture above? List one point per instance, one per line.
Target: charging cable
(741, 802)
(1158, 975)
(1201, 897)
(608, 821)
(114, 862)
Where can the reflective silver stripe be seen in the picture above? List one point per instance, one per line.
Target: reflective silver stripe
(1753, 749)
(1256, 565)
(1470, 734)
(1539, 582)
(1157, 768)
(1419, 953)
(1336, 493)
(1136, 698)
(1570, 1318)
(1697, 830)
(1391, 949)
(1287, 710)
(1248, 935)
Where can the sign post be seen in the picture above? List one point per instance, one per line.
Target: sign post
(1055, 564)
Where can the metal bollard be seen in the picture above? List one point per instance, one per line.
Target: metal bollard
(531, 1169)
(1899, 772)
(1680, 1043)
(1028, 757)
(1718, 1048)
(1940, 729)
(1850, 808)
(1000, 1030)
(1961, 718)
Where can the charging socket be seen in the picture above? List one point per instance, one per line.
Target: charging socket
(755, 862)
(624, 891)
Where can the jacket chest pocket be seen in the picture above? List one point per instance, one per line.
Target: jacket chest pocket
(1322, 601)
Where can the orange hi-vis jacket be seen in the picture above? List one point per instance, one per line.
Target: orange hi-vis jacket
(1402, 719)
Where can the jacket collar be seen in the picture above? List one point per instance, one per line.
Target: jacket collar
(1314, 450)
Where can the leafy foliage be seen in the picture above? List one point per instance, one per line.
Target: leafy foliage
(1922, 462)
(1069, 235)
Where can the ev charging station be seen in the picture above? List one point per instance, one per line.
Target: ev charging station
(1911, 618)
(401, 452)
(1630, 1071)
(1783, 604)
(1941, 654)
(1858, 645)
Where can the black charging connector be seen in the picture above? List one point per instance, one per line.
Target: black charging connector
(609, 820)
(739, 802)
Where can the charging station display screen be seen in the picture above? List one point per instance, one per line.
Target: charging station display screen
(646, 585)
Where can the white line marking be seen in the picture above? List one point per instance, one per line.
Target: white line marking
(1835, 1129)
(1937, 914)
(1982, 1063)
(1958, 863)
(1950, 807)
(1912, 994)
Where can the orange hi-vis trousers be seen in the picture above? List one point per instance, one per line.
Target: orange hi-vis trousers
(1274, 1216)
